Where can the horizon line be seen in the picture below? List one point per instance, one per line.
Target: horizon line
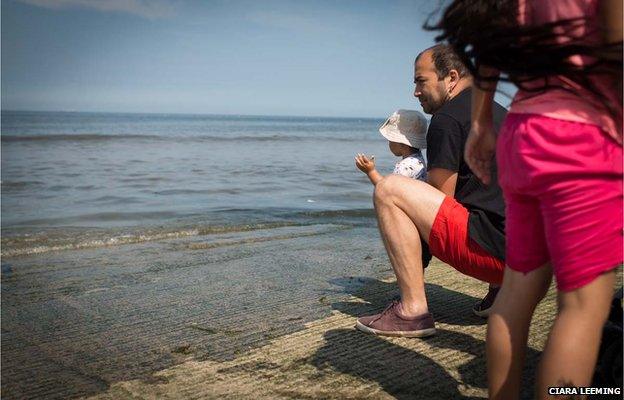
(188, 114)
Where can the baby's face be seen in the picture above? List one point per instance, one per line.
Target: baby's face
(397, 148)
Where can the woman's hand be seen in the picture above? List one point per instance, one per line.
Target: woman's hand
(479, 150)
(365, 164)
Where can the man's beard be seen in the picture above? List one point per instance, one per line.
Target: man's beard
(430, 109)
(430, 106)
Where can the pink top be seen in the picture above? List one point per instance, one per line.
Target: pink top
(561, 104)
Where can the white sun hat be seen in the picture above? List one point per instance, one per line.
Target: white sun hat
(406, 126)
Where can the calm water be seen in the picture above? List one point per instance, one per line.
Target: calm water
(71, 180)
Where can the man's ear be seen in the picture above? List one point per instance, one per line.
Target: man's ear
(453, 77)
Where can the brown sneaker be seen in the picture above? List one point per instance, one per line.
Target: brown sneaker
(391, 323)
(482, 309)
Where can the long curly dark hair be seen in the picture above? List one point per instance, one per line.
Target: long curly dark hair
(487, 32)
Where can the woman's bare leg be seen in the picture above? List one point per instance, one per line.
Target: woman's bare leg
(508, 329)
(570, 354)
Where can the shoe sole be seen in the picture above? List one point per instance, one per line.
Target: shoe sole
(419, 333)
(482, 313)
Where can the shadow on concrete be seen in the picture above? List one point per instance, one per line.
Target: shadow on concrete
(400, 372)
(446, 305)
(406, 374)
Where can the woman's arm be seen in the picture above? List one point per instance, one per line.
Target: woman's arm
(610, 19)
(481, 142)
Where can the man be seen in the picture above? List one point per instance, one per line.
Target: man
(461, 220)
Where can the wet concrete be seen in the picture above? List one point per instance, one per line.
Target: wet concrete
(264, 314)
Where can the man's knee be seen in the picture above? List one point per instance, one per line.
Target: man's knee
(383, 189)
(390, 186)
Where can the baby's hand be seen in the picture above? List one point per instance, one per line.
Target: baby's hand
(365, 164)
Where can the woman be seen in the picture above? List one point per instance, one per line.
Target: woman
(560, 166)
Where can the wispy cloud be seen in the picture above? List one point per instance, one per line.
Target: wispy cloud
(151, 9)
(288, 21)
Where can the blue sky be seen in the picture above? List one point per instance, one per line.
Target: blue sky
(329, 58)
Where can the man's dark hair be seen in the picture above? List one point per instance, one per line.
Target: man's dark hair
(445, 59)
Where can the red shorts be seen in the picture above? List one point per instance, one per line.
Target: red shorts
(449, 241)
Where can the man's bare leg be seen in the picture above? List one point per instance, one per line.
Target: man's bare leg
(406, 210)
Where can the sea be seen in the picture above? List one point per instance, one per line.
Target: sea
(73, 180)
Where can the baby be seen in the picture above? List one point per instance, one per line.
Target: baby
(406, 131)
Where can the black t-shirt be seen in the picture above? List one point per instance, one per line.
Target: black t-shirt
(446, 138)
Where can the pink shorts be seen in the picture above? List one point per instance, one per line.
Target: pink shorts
(562, 183)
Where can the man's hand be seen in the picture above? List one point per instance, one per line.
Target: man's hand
(365, 164)
(479, 150)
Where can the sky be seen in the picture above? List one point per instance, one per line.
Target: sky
(273, 57)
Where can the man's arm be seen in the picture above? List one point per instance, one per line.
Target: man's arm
(444, 147)
(443, 179)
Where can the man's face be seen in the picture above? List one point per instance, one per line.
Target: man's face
(430, 91)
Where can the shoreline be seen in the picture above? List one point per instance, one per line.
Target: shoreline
(269, 315)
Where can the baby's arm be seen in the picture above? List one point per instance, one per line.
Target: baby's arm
(367, 166)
